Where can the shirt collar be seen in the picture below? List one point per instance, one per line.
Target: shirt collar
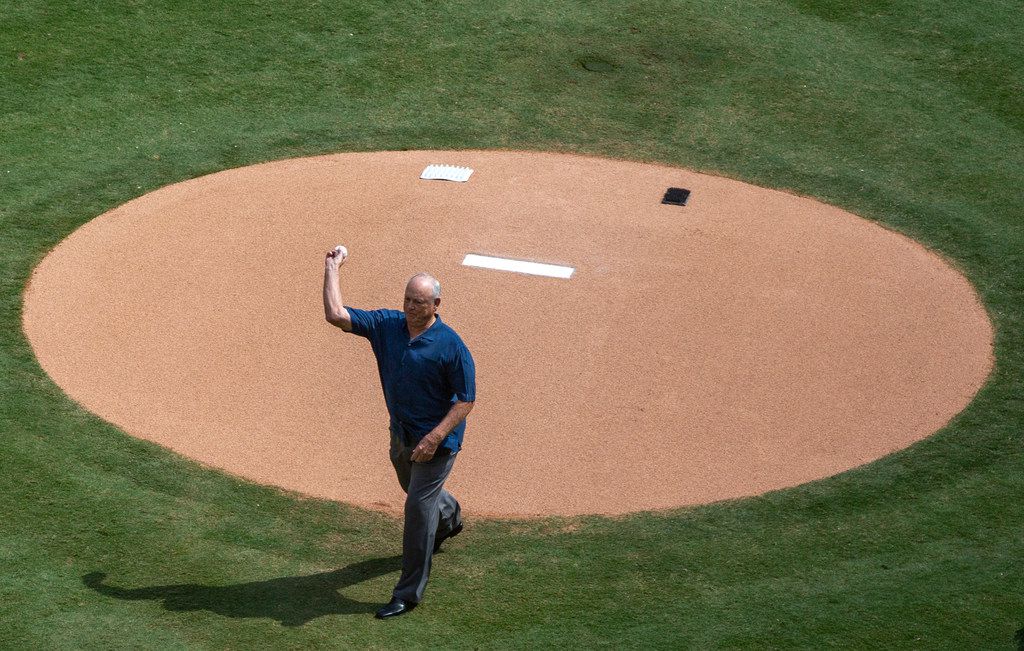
(429, 333)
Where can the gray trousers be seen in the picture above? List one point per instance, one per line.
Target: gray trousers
(430, 511)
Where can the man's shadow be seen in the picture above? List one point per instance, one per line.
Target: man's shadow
(291, 600)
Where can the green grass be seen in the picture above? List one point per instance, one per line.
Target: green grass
(910, 114)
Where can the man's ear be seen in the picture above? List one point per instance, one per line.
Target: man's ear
(437, 303)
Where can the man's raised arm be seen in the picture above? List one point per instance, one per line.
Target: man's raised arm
(334, 309)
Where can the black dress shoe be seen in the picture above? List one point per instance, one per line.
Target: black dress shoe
(395, 607)
(451, 534)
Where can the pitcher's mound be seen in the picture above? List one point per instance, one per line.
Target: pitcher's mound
(747, 341)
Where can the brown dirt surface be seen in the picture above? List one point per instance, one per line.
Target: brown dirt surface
(749, 341)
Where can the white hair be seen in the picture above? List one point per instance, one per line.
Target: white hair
(435, 285)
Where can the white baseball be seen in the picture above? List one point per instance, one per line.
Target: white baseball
(342, 250)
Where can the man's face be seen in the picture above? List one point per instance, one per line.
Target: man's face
(420, 304)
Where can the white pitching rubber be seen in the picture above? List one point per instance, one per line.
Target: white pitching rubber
(518, 266)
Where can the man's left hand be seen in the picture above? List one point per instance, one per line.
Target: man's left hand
(425, 450)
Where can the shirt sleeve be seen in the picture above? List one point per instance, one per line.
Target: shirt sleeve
(364, 322)
(462, 374)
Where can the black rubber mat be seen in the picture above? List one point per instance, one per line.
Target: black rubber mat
(676, 196)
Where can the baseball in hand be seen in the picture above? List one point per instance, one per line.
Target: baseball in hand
(338, 253)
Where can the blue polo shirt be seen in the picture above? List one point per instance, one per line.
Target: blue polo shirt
(423, 377)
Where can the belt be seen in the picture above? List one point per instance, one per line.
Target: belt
(403, 432)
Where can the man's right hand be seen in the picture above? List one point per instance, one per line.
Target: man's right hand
(336, 257)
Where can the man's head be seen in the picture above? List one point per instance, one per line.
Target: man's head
(422, 298)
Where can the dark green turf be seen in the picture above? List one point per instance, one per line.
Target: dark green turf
(906, 113)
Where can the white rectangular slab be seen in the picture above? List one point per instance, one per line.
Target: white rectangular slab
(446, 173)
(519, 266)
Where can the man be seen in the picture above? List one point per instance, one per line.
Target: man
(429, 383)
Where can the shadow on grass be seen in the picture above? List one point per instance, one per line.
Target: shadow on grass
(291, 600)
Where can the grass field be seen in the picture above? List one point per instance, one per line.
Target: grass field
(910, 114)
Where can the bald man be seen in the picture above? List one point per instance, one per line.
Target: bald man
(429, 383)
